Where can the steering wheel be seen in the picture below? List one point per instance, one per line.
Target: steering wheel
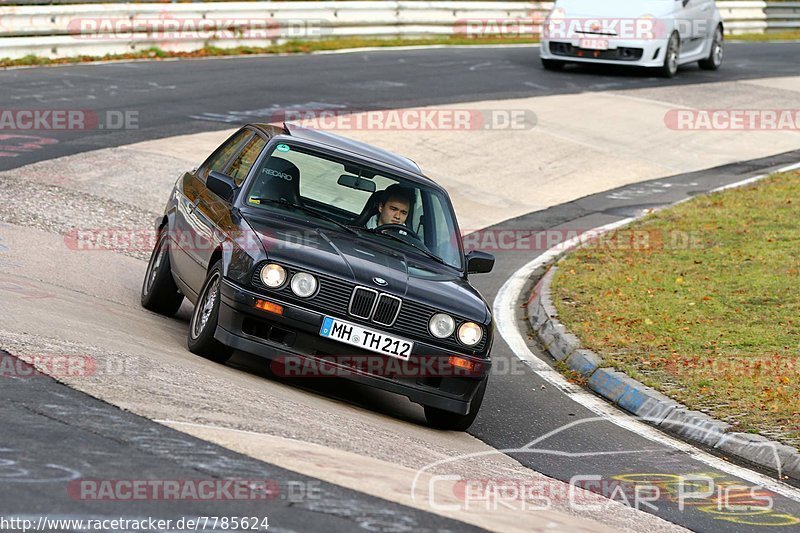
(401, 229)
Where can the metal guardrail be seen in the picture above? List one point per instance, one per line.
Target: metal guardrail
(783, 16)
(68, 30)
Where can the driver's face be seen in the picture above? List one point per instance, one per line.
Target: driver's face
(393, 212)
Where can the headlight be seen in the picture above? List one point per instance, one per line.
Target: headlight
(555, 24)
(304, 284)
(441, 325)
(273, 276)
(647, 30)
(470, 333)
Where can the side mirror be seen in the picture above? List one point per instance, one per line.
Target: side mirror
(479, 262)
(221, 185)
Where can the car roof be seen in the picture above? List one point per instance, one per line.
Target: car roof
(338, 142)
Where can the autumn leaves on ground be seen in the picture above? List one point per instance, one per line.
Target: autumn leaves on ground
(700, 301)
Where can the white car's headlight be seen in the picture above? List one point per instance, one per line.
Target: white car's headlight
(304, 284)
(273, 276)
(441, 325)
(470, 333)
(646, 27)
(555, 24)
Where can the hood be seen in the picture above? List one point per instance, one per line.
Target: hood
(616, 8)
(335, 252)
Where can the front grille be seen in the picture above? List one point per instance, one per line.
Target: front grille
(617, 54)
(362, 302)
(335, 296)
(387, 310)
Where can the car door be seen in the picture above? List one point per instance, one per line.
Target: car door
(191, 231)
(213, 214)
(693, 26)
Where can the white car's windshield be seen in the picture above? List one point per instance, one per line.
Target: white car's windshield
(398, 212)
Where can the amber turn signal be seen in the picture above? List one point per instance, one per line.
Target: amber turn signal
(269, 307)
(462, 363)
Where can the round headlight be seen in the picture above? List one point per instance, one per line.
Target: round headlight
(470, 333)
(304, 284)
(441, 325)
(273, 276)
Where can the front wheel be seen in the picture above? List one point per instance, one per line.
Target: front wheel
(201, 339)
(440, 419)
(670, 66)
(714, 59)
(159, 292)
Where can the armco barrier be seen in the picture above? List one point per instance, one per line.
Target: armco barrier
(782, 16)
(52, 30)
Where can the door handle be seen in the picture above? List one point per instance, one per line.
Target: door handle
(194, 206)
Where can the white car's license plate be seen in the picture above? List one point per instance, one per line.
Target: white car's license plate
(367, 339)
(594, 44)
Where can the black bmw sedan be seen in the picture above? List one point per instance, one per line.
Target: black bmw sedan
(328, 257)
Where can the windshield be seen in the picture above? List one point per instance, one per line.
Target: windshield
(399, 213)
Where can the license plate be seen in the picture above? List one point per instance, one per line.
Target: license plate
(594, 44)
(365, 338)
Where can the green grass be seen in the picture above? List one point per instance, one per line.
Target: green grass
(789, 35)
(339, 43)
(291, 47)
(705, 307)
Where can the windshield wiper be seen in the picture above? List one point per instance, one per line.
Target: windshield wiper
(305, 209)
(423, 250)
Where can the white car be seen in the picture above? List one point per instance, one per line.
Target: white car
(661, 34)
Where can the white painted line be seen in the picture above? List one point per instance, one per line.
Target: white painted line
(749, 181)
(790, 168)
(421, 47)
(507, 298)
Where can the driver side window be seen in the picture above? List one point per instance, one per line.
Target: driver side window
(220, 158)
(243, 162)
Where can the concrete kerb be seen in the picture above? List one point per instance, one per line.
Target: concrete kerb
(645, 402)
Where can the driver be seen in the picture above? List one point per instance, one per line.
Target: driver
(394, 208)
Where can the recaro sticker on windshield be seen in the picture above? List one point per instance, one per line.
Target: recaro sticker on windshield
(277, 174)
(283, 148)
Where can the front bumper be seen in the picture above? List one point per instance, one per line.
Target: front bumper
(294, 337)
(640, 53)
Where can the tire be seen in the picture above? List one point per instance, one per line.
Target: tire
(714, 59)
(670, 66)
(159, 292)
(203, 324)
(440, 419)
(553, 64)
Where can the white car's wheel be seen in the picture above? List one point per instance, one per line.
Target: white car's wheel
(714, 59)
(670, 66)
